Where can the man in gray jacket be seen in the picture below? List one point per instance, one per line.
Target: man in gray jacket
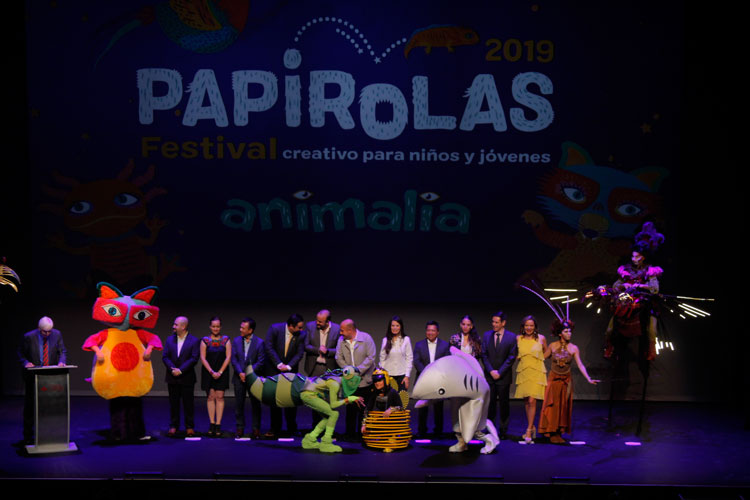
(357, 349)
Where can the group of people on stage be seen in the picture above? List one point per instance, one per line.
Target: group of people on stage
(326, 345)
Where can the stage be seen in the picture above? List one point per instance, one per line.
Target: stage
(693, 450)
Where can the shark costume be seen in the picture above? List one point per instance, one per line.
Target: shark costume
(460, 376)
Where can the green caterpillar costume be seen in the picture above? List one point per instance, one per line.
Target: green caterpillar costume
(323, 394)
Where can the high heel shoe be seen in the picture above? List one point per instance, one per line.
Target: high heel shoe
(530, 435)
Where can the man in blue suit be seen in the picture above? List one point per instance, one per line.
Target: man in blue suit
(499, 351)
(180, 355)
(40, 347)
(425, 352)
(247, 349)
(285, 346)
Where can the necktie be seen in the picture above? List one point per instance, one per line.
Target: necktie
(497, 340)
(45, 352)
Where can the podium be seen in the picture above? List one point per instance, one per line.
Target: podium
(51, 410)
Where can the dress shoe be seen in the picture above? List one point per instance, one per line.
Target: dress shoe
(190, 433)
(256, 434)
(172, 432)
(240, 432)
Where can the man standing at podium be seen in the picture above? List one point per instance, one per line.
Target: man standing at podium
(40, 347)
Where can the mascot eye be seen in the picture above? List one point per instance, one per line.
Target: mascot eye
(125, 200)
(80, 207)
(141, 315)
(574, 194)
(429, 196)
(628, 209)
(441, 391)
(302, 194)
(112, 310)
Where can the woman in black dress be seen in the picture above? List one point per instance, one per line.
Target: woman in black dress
(216, 351)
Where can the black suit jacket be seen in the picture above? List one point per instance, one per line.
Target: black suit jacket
(422, 353)
(499, 358)
(312, 344)
(28, 352)
(186, 361)
(274, 344)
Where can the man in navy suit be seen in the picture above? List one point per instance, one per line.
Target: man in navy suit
(499, 351)
(425, 352)
(247, 349)
(285, 346)
(180, 355)
(40, 347)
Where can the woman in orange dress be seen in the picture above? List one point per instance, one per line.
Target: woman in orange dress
(557, 409)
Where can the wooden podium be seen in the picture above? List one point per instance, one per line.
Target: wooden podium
(52, 410)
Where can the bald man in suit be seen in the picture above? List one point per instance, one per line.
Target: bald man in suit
(42, 346)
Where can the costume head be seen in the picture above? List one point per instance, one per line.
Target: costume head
(350, 379)
(125, 312)
(648, 240)
(558, 326)
(381, 374)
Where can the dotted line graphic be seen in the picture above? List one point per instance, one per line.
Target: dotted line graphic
(352, 34)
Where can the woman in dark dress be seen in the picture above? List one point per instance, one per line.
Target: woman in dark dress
(216, 351)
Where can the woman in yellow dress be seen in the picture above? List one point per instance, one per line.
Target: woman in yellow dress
(531, 377)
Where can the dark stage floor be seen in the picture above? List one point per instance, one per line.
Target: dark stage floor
(681, 445)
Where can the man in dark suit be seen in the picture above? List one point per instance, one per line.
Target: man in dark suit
(285, 345)
(180, 355)
(320, 345)
(320, 349)
(247, 349)
(425, 352)
(499, 351)
(40, 347)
